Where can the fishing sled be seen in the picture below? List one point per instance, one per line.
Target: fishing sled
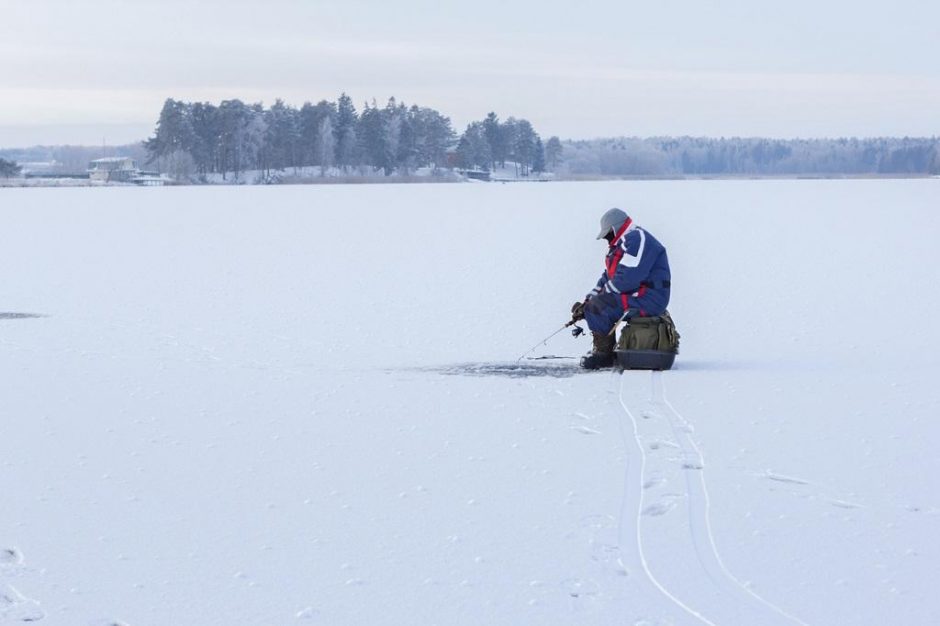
(648, 343)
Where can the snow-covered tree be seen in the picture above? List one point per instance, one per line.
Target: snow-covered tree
(370, 133)
(524, 145)
(510, 131)
(325, 144)
(553, 152)
(174, 130)
(311, 139)
(496, 137)
(344, 130)
(538, 159)
(206, 145)
(242, 136)
(438, 136)
(282, 136)
(473, 150)
(393, 118)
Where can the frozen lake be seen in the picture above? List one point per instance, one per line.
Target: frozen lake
(277, 405)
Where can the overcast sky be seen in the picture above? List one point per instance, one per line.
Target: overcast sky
(82, 72)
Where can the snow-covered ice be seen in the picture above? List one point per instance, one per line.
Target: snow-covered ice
(278, 405)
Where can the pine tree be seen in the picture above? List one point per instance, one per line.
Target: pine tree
(553, 152)
(509, 131)
(309, 134)
(410, 138)
(496, 138)
(282, 138)
(538, 159)
(326, 145)
(241, 132)
(206, 133)
(524, 145)
(473, 150)
(434, 136)
(372, 136)
(344, 130)
(174, 131)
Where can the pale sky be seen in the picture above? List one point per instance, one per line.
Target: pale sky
(82, 72)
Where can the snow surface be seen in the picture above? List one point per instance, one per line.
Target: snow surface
(279, 405)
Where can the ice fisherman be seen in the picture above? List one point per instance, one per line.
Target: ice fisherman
(636, 282)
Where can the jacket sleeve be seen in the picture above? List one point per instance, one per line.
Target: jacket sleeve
(598, 288)
(631, 264)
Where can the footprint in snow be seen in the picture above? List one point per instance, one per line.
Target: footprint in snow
(14, 607)
(307, 613)
(605, 553)
(660, 508)
(10, 556)
(657, 445)
(654, 481)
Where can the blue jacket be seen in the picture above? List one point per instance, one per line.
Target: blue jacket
(636, 275)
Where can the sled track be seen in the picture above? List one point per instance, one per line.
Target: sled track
(668, 457)
(631, 518)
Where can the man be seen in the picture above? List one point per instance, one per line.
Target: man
(635, 282)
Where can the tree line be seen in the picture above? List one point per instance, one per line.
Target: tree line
(229, 138)
(699, 156)
(233, 136)
(196, 139)
(489, 144)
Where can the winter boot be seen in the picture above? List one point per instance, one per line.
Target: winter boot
(603, 353)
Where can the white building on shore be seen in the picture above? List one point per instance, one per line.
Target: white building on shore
(113, 169)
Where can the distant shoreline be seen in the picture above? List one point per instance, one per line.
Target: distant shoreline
(61, 183)
(589, 178)
(623, 158)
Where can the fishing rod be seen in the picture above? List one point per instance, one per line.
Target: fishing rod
(577, 331)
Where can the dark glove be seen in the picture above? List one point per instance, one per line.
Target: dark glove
(577, 311)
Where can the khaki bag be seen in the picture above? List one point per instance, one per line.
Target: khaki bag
(650, 333)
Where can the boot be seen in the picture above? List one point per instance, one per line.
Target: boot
(603, 353)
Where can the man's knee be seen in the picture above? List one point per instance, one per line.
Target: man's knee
(600, 322)
(601, 304)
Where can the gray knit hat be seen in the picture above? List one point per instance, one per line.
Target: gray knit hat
(612, 219)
